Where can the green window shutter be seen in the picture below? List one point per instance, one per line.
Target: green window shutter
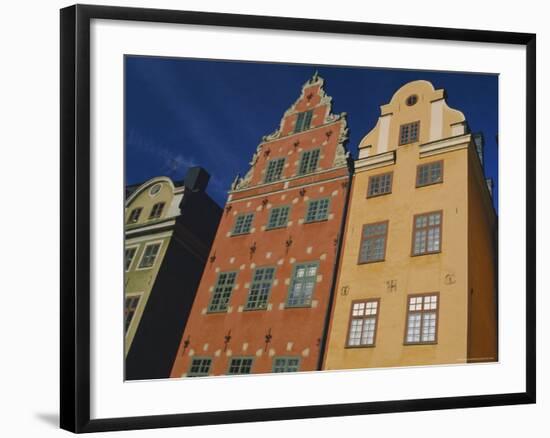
(260, 288)
(200, 366)
(286, 364)
(243, 224)
(240, 365)
(317, 210)
(222, 292)
(274, 170)
(307, 120)
(303, 121)
(309, 161)
(278, 217)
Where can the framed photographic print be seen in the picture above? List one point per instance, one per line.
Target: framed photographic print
(271, 218)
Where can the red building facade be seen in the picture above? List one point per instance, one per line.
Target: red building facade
(263, 301)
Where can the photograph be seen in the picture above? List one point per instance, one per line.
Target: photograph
(287, 218)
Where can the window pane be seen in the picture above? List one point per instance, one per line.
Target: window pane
(302, 285)
(373, 244)
(278, 217)
(149, 255)
(222, 292)
(317, 210)
(309, 161)
(199, 367)
(274, 170)
(243, 223)
(380, 184)
(430, 173)
(129, 254)
(260, 288)
(130, 307)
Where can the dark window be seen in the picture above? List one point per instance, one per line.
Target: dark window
(317, 210)
(286, 364)
(149, 255)
(130, 307)
(411, 100)
(380, 184)
(363, 323)
(278, 217)
(302, 285)
(156, 211)
(200, 366)
(260, 288)
(243, 224)
(222, 292)
(240, 365)
(430, 173)
(129, 254)
(274, 170)
(427, 233)
(134, 215)
(422, 319)
(409, 133)
(309, 161)
(373, 242)
(303, 121)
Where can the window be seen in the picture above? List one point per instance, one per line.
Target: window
(317, 210)
(260, 288)
(303, 121)
(363, 322)
(200, 366)
(373, 242)
(243, 224)
(149, 255)
(278, 217)
(240, 365)
(422, 319)
(309, 161)
(155, 189)
(411, 100)
(286, 364)
(274, 170)
(222, 292)
(156, 211)
(130, 307)
(430, 173)
(380, 184)
(302, 285)
(409, 133)
(427, 233)
(129, 254)
(134, 215)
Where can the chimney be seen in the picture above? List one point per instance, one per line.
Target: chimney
(196, 179)
(480, 143)
(490, 185)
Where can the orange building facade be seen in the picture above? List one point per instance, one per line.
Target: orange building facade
(264, 298)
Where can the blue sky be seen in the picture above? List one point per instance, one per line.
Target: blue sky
(187, 112)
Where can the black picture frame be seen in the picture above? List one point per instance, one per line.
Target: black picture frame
(75, 217)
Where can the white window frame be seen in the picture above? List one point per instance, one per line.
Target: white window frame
(143, 254)
(136, 247)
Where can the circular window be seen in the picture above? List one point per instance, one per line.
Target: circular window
(155, 189)
(411, 100)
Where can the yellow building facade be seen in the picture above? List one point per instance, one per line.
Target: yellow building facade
(417, 275)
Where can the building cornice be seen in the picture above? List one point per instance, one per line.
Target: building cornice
(286, 181)
(375, 161)
(162, 225)
(446, 145)
(287, 189)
